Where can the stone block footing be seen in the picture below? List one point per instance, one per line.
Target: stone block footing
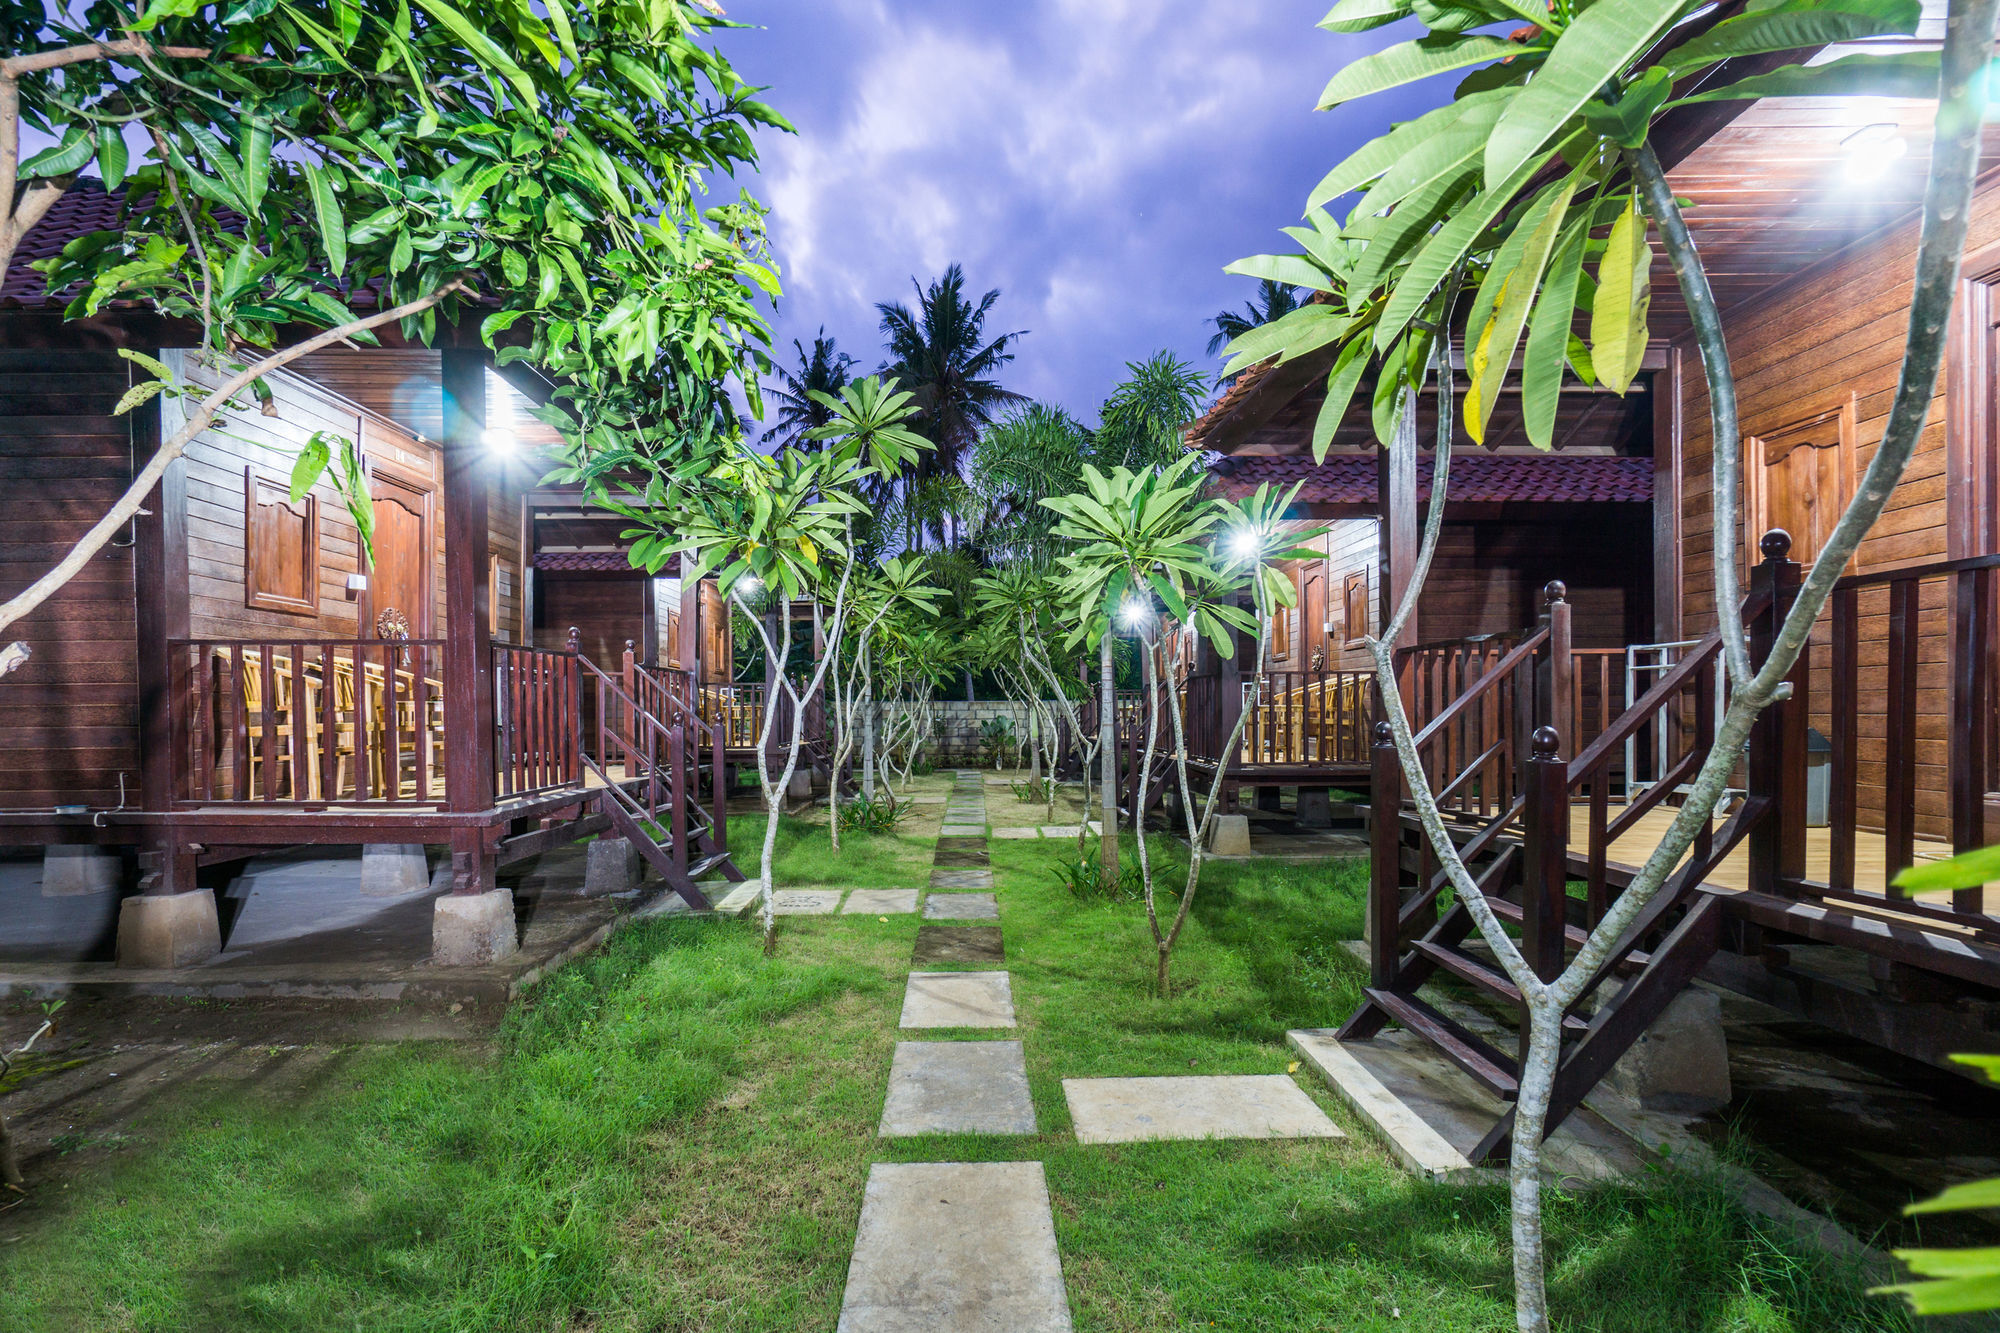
(611, 865)
(1229, 835)
(1315, 810)
(168, 929)
(1681, 1063)
(472, 928)
(393, 869)
(73, 871)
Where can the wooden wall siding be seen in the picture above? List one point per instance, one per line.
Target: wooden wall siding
(1834, 331)
(503, 544)
(69, 717)
(1488, 577)
(216, 460)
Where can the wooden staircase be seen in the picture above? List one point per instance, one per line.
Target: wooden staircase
(648, 727)
(1494, 754)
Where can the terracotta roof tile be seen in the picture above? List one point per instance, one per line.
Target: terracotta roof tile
(1484, 479)
(83, 209)
(595, 562)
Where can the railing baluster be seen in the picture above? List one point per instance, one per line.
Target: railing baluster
(1899, 810)
(1973, 700)
(1842, 798)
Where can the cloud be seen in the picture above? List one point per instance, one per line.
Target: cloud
(1099, 161)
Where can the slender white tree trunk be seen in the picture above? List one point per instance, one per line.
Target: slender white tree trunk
(1107, 752)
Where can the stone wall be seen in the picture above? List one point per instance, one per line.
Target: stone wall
(956, 724)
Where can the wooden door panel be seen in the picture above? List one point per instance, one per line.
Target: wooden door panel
(400, 575)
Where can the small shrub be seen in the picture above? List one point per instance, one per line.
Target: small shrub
(996, 740)
(1034, 793)
(880, 815)
(1085, 878)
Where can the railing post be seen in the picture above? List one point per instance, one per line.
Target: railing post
(1776, 768)
(1562, 669)
(1385, 848)
(1972, 705)
(573, 734)
(1545, 855)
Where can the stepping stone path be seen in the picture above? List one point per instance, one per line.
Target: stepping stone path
(970, 1247)
(804, 902)
(959, 944)
(958, 1087)
(961, 907)
(1253, 1106)
(950, 1246)
(882, 902)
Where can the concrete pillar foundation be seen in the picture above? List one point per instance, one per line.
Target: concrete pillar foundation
(1315, 810)
(1229, 835)
(610, 865)
(1681, 1063)
(73, 871)
(168, 929)
(393, 869)
(472, 928)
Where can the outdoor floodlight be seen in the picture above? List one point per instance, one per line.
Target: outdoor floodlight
(1133, 613)
(1872, 150)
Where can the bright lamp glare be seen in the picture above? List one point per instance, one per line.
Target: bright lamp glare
(751, 584)
(501, 439)
(1872, 150)
(1132, 614)
(1244, 544)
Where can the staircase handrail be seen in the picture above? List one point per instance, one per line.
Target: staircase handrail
(1488, 680)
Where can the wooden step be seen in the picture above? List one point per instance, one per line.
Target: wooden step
(1481, 974)
(1487, 1067)
(1575, 936)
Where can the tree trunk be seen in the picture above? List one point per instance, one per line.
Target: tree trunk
(1107, 760)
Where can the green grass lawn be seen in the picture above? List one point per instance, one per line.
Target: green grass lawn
(674, 1134)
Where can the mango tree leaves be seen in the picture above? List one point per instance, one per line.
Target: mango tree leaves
(1624, 295)
(1549, 337)
(1361, 15)
(1906, 74)
(1791, 28)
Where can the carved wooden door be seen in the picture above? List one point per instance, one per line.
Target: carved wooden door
(401, 574)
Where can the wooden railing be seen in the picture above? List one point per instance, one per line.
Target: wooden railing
(670, 693)
(1306, 717)
(304, 722)
(536, 712)
(1930, 680)
(734, 713)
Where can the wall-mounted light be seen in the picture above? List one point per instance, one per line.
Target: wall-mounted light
(1871, 150)
(501, 439)
(1133, 613)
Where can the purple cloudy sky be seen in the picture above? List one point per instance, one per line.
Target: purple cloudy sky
(1099, 161)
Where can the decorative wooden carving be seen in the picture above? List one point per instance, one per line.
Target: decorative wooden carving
(280, 547)
(1354, 605)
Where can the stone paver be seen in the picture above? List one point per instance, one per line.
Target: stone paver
(1254, 1106)
(961, 879)
(958, 1000)
(963, 830)
(1016, 833)
(1058, 830)
(804, 902)
(955, 1247)
(882, 902)
(958, 944)
(961, 907)
(957, 1087)
(964, 857)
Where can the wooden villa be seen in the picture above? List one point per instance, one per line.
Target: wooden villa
(234, 675)
(1563, 678)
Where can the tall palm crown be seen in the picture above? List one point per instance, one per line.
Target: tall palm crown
(941, 354)
(1274, 301)
(822, 370)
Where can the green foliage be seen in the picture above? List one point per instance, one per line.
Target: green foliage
(1033, 793)
(547, 158)
(878, 815)
(996, 739)
(1084, 878)
(1511, 183)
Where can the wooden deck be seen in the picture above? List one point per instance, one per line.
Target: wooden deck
(1630, 852)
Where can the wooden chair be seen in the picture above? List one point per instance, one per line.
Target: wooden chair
(282, 727)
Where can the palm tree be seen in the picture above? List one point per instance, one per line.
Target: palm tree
(941, 354)
(1144, 422)
(822, 370)
(1274, 301)
(1033, 453)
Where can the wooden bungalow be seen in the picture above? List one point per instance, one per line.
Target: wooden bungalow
(234, 674)
(1806, 214)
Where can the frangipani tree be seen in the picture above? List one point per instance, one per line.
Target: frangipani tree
(895, 588)
(1503, 193)
(778, 526)
(1145, 554)
(299, 174)
(1021, 597)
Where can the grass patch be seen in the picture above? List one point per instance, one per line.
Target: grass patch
(674, 1135)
